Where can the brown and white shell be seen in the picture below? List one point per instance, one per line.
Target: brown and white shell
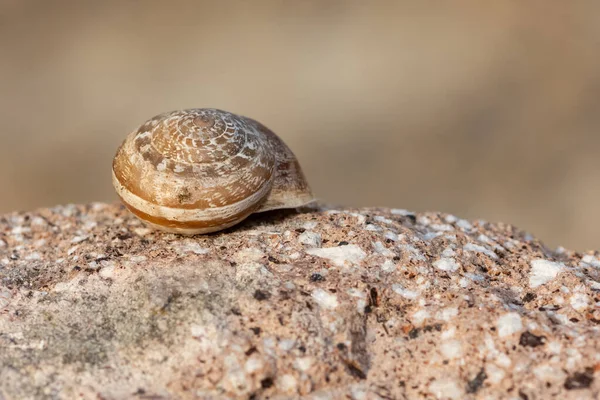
(202, 170)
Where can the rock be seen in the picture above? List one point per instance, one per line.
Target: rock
(371, 304)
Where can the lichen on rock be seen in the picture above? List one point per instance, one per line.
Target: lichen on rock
(317, 303)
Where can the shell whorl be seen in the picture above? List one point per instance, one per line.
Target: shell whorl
(199, 136)
(200, 170)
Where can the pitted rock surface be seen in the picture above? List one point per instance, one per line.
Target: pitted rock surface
(315, 303)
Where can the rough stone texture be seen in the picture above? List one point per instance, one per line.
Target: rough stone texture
(326, 304)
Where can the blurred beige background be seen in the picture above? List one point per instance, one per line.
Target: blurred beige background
(482, 109)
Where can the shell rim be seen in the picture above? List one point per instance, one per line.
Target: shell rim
(183, 215)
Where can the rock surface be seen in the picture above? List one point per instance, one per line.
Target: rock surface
(321, 304)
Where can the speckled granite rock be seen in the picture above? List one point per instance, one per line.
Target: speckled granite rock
(326, 304)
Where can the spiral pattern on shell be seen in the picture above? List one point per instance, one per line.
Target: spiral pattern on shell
(202, 170)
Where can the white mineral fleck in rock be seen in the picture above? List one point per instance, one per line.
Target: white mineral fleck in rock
(446, 388)
(390, 235)
(548, 373)
(561, 318)
(448, 333)
(5, 296)
(591, 260)
(381, 249)
(290, 285)
(189, 246)
(441, 227)
(359, 392)
(309, 238)
(448, 252)
(340, 255)
(388, 266)
(19, 230)
(484, 238)
(38, 221)
(142, 231)
(138, 259)
(287, 344)
(249, 272)
(494, 373)
(447, 314)
(35, 256)
(431, 235)
(249, 254)
(423, 283)
(98, 207)
(446, 264)
(253, 364)
(93, 266)
(502, 360)
(423, 220)
(474, 277)
(406, 293)
(269, 343)
(419, 317)
(508, 324)
(283, 267)
(325, 299)
(401, 211)
(310, 225)
(287, 383)
(383, 219)
(234, 375)
(479, 249)
(79, 239)
(197, 330)
(451, 349)
(414, 253)
(573, 359)
(543, 271)
(450, 219)
(360, 306)
(560, 250)
(107, 272)
(303, 363)
(580, 301)
(464, 225)
(360, 219)
(356, 293)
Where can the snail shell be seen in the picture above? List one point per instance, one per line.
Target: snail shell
(202, 170)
